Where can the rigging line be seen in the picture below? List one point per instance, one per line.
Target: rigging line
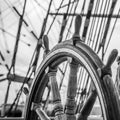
(3, 59)
(18, 37)
(14, 36)
(92, 25)
(54, 17)
(102, 43)
(39, 43)
(63, 75)
(8, 13)
(19, 93)
(4, 10)
(81, 85)
(83, 7)
(80, 81)
(68, 17)
(26, 25)
(27, 77)
(98, 21)
(4, 36)
(36, 10)
(85, 83)
(14, 10)
(101, 22)
(104, 22)
(112, 31)
(68, 4)
(14, 54)
(87, 20)
(56, 20)
(72, 17)
(94, 34)
(83, 71)
(103, 31)
(54, 4)
(64, 22)
(70, 23)
(81, 75)
(72, 20)
(28, 19)
(51, 15)
(102, 27)
(40, 5)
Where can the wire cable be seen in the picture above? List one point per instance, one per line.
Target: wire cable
(72, 17)
(54, 18)
(112, 31)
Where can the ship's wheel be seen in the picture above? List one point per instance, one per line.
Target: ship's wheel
(73, 97)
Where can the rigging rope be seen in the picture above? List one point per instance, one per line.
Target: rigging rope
(15, 52)
(101, 23)
(35, 62)
(68, 4)
(93, 23)
(17, 39)
(14, 10)
(86, 77)
(10, 34)
(26, 15)
(112, 31)
(54, 18)
(5, 39)
(83, 7)
(102, 43)
(72, 18)
(97, 33)
(90, 7)
(103, 27)
(87, 20)
(64, 22)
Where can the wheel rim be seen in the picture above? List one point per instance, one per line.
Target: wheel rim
(62, 56)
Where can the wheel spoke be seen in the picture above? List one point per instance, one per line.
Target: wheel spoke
(38, 109)
(71, 92)
(58, 108)
(87, 107)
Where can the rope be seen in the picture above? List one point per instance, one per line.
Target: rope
(112, 31)
(54, 18)
(64, 22)
(87, 20)
(93, 23)
(72, 18)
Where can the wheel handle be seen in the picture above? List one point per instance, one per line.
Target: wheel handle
(106, 70)
(78, 22)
